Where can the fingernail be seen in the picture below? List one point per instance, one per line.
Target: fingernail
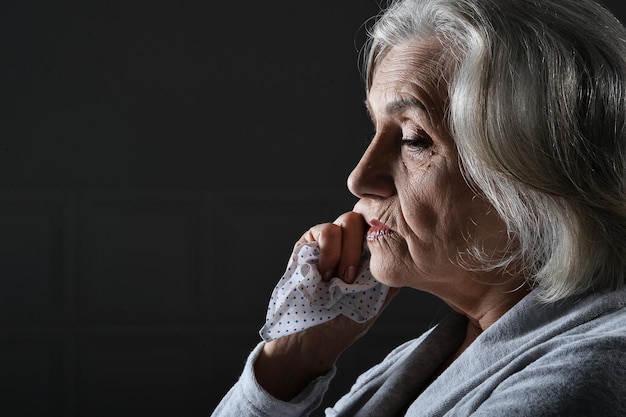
(327, 275)
(351, 274)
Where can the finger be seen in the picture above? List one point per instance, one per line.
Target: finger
(307, 237)
(329, 238)
(353, 229)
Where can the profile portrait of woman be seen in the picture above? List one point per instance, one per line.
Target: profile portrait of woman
(496, 181)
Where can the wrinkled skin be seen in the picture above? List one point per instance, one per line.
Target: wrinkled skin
(416, 213)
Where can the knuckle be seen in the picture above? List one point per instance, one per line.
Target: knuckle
(329, 231)
(349, 219)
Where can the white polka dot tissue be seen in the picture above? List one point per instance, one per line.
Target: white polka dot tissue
(301, 299)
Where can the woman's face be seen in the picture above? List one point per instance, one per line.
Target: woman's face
(420, 210)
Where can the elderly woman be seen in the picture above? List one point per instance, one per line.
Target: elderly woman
(496, 181)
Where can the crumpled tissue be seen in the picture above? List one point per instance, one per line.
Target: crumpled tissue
(301, 299)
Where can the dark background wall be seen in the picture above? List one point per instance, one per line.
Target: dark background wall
(157, 161)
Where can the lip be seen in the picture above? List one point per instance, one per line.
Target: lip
(377, 230)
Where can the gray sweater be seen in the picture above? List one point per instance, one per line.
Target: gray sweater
(563, 359)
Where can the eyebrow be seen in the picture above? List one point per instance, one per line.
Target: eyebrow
(399, 106)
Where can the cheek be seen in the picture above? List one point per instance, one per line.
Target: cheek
(425, 212)
(418, 202)
(438, 218)
(422, 220)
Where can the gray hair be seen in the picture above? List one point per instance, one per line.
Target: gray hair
(537, 107)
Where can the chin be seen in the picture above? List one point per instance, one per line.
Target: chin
(381, 271)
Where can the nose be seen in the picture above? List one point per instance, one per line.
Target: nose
(373, 177)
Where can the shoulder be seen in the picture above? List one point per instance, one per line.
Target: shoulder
(584, 345)
(574, 378)
(576, 370)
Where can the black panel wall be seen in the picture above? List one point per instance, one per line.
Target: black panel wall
(158, 159)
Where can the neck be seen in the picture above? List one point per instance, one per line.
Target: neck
(486, 304)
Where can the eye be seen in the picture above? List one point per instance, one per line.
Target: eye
(417, 141)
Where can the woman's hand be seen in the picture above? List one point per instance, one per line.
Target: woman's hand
(341, 246)
(288, 364)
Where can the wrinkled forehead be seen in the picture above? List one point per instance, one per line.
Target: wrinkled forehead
(413, 69)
